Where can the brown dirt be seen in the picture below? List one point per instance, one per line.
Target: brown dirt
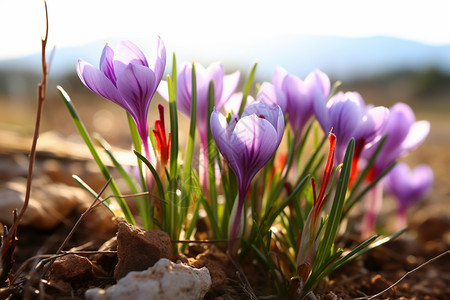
(428, 236)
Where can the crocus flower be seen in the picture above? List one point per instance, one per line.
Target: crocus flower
(247, 144)
(300, 95)
(408, 186)
(127, 78)
(404, 134)
(349, 117)
(224, 86)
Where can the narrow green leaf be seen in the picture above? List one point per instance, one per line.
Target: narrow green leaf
(363, 174)
(269, 218)
(173, 130)
(154, 173)
(187, 180)
(248, 84)
(368, 187)
(334, 218)
(107, 148)
(174, 73)
(87, 140)
(212, 154)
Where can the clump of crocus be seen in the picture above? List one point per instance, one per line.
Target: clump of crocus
(300, 95)
(127, 78)
(404, 134)
(247, 144)
(309, 237)
(349, 117)
(224, 86)
(408, 186)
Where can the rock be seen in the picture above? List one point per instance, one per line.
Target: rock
(107, 261)
(165, 280)
(219, 266)
(12, 166)
(49, 203)
(71, 268)
(137, 250)
(378, 284)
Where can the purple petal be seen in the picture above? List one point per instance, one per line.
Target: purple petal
(163, 90)
(106, 63)
(371, 124)
(398, 125)
(299, 102)
(221, 133)
(409, 186)
(216, 74)
(128, 53)
(136, 85)
(184, 89)
(322, 113)
(271, 95)
(234, 102)
(272, 114)
(318, 81)
(253, 142)
(345, 116)
(203, 80)
(230, 83)
(97, 82)
(278, 77)
(422, 180)
(159, 64)
(416, 135)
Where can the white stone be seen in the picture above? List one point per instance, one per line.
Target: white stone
(165, 280)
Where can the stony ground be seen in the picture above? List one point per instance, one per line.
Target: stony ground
(59, 158)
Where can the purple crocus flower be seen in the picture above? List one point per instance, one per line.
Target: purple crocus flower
(224, 86)
(126, 78)
(247, 144)
(300, 95)
(408, 186)
(349, 117)
(404, 134)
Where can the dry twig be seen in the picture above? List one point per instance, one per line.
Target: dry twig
(403, 277)
(9, 240)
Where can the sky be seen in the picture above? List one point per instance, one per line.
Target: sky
(207, 26)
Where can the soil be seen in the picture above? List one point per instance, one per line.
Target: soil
(427, 237)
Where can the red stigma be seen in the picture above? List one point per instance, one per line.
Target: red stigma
(319, 201)
(162, 144)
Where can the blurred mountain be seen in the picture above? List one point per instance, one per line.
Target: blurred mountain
(342, 58)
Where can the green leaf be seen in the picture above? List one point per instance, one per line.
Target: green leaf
(173, 130)
(351, 200)
(212, 154)
(187, 174)
(154, 173)
(248, 84)
(87, 140)
(334, 218)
